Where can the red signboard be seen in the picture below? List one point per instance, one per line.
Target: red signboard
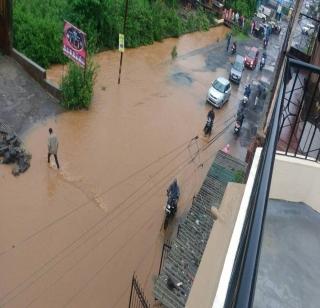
(74, 44)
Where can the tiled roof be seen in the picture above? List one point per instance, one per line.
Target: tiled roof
(182, 262)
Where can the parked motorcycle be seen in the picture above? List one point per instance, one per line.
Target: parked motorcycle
(275, 28)
(234, 48)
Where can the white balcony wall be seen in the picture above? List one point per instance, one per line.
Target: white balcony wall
(296, 180)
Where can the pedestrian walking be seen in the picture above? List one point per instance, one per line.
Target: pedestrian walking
(237, 18)
(252, 27)
(240, 21)
(228, 40)
(53, 147)
(279, 11)
(269, 31)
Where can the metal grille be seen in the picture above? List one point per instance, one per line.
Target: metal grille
(165, 250)
(137, 297)
(300, 123)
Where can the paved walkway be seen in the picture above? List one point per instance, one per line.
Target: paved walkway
(22, 100)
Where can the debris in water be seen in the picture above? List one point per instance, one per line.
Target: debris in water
(12, 151)
(174, 52)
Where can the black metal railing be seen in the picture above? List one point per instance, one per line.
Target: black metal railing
(300, 120)
(137, 297)
(165, 250)
(300, 125)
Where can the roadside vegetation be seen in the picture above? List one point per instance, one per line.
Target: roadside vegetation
(246, 8)
(38, 24)
(77, 86)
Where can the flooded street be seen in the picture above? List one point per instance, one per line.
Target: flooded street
(74, 237)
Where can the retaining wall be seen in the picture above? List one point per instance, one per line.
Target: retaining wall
(36, 72)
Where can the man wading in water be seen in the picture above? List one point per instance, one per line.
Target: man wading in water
(53, 147)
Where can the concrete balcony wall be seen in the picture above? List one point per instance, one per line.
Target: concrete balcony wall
(211, 283)
(293, 179)
(296, 180)
(207, 278)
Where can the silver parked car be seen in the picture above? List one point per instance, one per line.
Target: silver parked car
(237, 69)
(219, 92)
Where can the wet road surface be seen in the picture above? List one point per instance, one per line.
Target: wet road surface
(22, 100)
(73, 238)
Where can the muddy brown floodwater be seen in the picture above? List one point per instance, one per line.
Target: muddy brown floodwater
(73, 238)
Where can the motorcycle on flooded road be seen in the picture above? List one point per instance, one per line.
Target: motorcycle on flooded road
(173, 194)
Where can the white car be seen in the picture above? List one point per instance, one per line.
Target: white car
(219, 92)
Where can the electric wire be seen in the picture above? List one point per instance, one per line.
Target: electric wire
(26, 239)
(97, 272)
(91, 250)
(95, 275)
(184, 163)
(212, 140)
(92, 199)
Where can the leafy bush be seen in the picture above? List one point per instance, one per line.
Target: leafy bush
(247, 26)
(197, 20)
(241, 33)
(77, 86)
(38, 24)
(285, 10)
(245, 7)
(38, 32)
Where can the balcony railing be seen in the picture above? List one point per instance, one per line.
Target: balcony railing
(300, 123)
(295, 129)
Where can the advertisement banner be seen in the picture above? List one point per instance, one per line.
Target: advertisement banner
(74, 44)
(121, 42)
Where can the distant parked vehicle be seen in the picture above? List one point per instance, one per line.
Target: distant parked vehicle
(264, 11)
(251, 59)
(308, 29)
(237, 69)
(219, 92)
(275, 27)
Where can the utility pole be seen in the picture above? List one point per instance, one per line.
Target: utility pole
(124, 31)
